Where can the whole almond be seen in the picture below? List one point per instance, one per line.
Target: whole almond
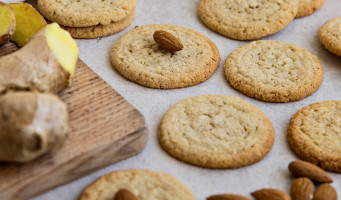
(302, 189)
(227, 197)
(270, 194)
(125, 195)
(325, 192)
(300, 168)
(167, 41)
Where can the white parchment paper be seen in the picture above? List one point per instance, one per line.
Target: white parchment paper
(153, 103)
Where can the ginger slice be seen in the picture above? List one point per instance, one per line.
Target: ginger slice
(7, 21)
(28, 22)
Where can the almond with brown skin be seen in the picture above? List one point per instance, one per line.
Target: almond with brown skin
(325, 192)
(300, 168)
(302, 189)
(167, 41)
(227, 197)
(270, 194)
(125, 195)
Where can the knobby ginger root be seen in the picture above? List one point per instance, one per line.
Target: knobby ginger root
(7, 23)
(31, 124)
(46, 64)
(28, 22)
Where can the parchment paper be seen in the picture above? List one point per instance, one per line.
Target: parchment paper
(153, 103)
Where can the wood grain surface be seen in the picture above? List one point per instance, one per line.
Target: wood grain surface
(105, 129)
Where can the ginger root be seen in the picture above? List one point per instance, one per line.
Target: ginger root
(46, 64)
(28, 22)
(31, 124)
(7, 23)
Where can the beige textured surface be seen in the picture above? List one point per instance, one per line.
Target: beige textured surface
(216, 131)
(314, 133)
(307, 7)
(247, 19)
(100, 30)
(274, 71)
(146, 185)
(330, 35)
(85, 13)
(138, 58)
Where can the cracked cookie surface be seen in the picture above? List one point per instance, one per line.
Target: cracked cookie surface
(138, 58)
(74, 13)
(144, 184)
(246, 19)
(274, 71)
(216, 131)
(314, 133)
(330, 35)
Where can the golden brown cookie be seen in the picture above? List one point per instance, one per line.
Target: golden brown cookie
(274, 71)
(330, 35)
(144, 184)
(85, 13)
(314, 134)
(245, 19)
(100, 30)
(307, 7)
(138, 58)
(216, 131)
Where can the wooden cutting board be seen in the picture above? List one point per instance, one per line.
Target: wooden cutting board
(105, 129)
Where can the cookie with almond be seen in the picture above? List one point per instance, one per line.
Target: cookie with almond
(137, 183)
(184, 57)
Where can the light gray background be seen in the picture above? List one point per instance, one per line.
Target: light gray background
(153, 103)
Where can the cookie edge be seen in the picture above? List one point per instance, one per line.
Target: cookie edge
(306, 152)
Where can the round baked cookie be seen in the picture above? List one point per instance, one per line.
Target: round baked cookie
(144, 184)
(307, 7)
(274, 71)
(245, 19)
(314, 134)
(85, 13)
(216, 131)
(330, 35)
(100, 30)
(138, 58)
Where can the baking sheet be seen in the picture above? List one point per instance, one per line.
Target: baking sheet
(153, 103)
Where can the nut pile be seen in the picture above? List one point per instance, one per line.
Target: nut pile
(302, 187)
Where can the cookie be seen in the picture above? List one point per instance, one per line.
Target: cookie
(307, 7)
(274, 71)
(100, 30)
(73, 13)
(245, 19)
(314, 134)
(146, 185)
(138, 58)
(330, 35)
(216, 131)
